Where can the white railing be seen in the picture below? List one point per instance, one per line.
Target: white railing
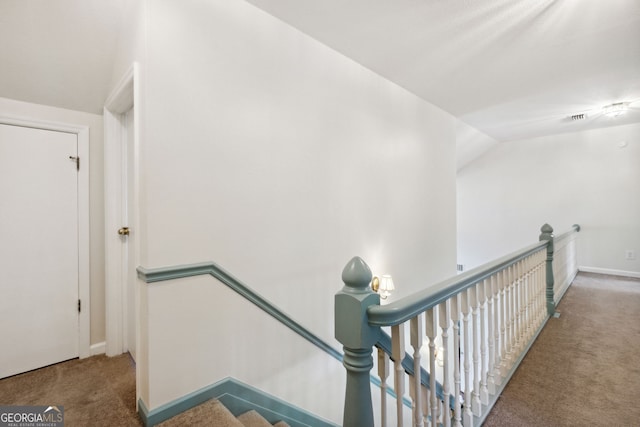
(469, 333)
(565, 262)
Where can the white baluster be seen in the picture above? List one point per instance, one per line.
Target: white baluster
(455, 321)
(431, 331)
(498, 313)
(542, 287)
(444, 311)
(465, 308)
(425, 406)
(383, 373)
(518, 301)
(475, 396)
(516, 311)
(416, 343)
(536, 293)
(523, 304)
(534, 290)
(414, 401)
(526, 299)
(398, 353)
(530, 296)
(504, 327)
(512, 317)
(492, 319)
(484, 363)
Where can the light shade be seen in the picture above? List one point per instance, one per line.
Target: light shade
(386, 285)
(614, 110)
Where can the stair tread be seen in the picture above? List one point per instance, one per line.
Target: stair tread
(253, 419)
(213, 413)
(210, 413)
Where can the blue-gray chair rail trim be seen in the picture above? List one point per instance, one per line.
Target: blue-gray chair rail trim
(153, 275)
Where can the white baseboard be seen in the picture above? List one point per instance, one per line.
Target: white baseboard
(609, 271)
(98, 348)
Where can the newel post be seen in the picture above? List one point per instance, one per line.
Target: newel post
(353, 331)
(547, 234)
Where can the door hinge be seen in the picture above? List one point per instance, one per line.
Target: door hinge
(77, 160)
(79, 306)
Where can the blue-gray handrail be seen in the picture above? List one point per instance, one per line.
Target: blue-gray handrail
(408, 307)
(574, 228)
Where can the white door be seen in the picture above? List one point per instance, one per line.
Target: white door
(38, 248)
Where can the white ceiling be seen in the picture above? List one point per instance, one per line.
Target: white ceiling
(59, 52)
(511, 68)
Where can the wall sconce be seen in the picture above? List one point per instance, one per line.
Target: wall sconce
(383, 286)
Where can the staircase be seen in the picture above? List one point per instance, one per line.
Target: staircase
(213, 413)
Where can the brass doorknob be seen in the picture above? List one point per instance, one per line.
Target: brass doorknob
(124, 231)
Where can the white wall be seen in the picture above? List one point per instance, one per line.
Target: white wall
(586, 178)
(96, 194)
(280, 159)
(470, 144)
(131, 40)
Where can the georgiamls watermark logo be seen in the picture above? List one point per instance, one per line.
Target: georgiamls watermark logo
(31, 416)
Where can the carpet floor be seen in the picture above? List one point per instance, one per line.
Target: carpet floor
(584, 369)
(96, 391)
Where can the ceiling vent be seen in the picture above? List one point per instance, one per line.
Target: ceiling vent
(581, 116)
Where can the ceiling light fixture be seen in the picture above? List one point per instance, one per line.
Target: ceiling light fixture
(614, 110)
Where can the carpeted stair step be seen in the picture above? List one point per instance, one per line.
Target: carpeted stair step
(210, 413)
(254, 419)
(213, 413)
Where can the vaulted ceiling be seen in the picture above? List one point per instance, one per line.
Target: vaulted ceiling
(510, 68)
(59, 52)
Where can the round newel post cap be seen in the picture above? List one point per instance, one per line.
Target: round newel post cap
(356, 275)
(546, 232)
(546, 229)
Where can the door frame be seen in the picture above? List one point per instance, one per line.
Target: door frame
(123, 98)
(84, 275)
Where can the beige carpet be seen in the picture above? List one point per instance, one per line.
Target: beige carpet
(584, 368)
(97, 391)
(101, 391)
